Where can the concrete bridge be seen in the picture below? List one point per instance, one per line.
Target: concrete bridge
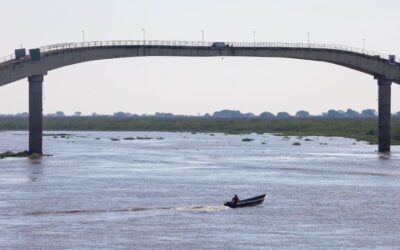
(385, 69)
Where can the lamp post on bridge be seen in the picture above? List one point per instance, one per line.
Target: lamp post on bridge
(363, 45)
(202, 37)
(83, 35)
(254, 38)
(144, 36)
(308, 38)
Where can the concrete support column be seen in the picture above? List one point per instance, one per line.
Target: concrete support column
(35, 113)
(384, 120)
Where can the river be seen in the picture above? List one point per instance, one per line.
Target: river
(99, 191)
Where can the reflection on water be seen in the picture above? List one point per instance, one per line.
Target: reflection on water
(101, 191)
(35, 170)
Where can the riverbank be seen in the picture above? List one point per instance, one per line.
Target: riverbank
(359, 129)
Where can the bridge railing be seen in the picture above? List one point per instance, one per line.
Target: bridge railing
(7, 58)
(64, 46)
(93, 44)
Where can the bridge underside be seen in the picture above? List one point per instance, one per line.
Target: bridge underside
(20, 69)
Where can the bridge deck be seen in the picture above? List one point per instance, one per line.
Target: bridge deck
(122, 43)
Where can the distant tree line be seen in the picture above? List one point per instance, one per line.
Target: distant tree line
(234, 114)
(367, 113)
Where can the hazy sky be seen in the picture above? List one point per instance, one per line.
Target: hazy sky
(200, 85)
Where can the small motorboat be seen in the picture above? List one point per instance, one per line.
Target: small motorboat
(255, 201)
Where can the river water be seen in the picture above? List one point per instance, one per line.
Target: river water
(167, 193)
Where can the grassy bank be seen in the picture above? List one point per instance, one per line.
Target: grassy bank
(360, 129)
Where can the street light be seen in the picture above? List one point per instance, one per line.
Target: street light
(254, 38)
(202, 36)
(83, 35)
(308, 38)
(363, 44)
(144, 36)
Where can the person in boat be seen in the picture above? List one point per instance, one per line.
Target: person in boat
(235, 199)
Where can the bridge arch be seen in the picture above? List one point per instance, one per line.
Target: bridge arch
(42, 60)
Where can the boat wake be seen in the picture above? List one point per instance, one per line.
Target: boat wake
(197, 208)
(201, 208)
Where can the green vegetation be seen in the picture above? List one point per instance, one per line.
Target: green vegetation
(143, 138)
(361, 129)
(12, 154)
(22, 154)
(129, 139)
(247, 140)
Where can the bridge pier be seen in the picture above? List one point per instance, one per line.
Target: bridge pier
(35, 113)
(384, 119)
